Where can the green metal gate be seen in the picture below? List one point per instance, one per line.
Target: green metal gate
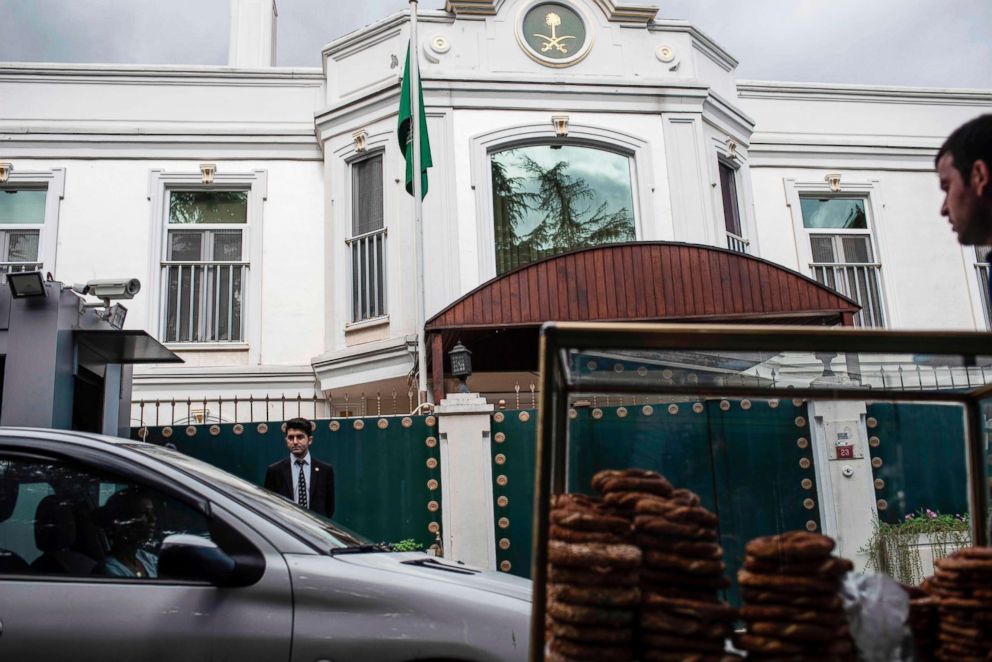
(750, 461)
(386, 470)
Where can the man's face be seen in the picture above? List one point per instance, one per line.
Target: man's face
(298, 442)
(967, 203)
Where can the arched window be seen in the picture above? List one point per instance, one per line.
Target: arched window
(550, 199)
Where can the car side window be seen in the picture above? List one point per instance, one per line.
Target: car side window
(57, 518)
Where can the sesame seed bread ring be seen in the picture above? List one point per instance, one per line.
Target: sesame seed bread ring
(600, 477)
(833, 566)
(600, 596)
(974, 553)
(658, 525)
(658, 485)
(685, 497)
(582, 650)
(959, 564)
(712, 611)
(586, 615)
(583, 554)
(626, 501)
(578, 535)
(673, 562)
(589, 521)
(788, 583)
(688, 548)
(593, 575)
(816, 601)
(685, 643)
(664, 578)
(663, 621)
(591, 633)
(780, 613)
(676, 512)
(669, 655)
(759, 644)
(795, 545)
(792, 631)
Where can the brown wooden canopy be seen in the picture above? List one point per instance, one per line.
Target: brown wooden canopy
(640, 281)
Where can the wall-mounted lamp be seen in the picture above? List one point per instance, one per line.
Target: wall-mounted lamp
(560, 122)
(833, 179)
(26, 284)
(361, 137)
(461, 365)
(207, 172)
(5, 170)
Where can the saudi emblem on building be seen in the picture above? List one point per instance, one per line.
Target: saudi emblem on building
(553, 33)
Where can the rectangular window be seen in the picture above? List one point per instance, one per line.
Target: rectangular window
(205, 267)
(368, 240)
(843, 256)
(982, 270)
(731, 210)
(22, 218)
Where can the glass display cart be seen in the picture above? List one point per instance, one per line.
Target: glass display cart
(857, 434)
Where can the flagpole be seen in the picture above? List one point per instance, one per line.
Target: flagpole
(418, 205)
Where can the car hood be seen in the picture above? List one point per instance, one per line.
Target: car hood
(418, 564)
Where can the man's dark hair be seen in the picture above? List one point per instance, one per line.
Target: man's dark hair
(301, 424)
(970, 142)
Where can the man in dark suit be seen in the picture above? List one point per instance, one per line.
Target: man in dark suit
(300, 478)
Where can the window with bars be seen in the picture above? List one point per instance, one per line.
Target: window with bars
(368, 240)
(982, 271)
(204, 270)
(22, 218)
(731, 210)
(843, 256)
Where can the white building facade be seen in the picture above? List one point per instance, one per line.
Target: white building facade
(264, 209)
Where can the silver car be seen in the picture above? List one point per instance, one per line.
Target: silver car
(118, 550)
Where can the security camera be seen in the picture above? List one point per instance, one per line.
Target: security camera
(112, 288)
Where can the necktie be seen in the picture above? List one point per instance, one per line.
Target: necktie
(301, 485)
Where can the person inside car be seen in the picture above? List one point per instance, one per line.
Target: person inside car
(129, 521)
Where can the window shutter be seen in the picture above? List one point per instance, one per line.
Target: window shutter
(367, 196)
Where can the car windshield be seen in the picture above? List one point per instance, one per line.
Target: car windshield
(315, 529)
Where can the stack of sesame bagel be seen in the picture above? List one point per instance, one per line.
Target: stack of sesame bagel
(790, 584)
(681, 616)
(923, 621)
(962, 584)
(592, 582)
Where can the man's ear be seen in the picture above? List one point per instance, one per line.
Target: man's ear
(981, 178)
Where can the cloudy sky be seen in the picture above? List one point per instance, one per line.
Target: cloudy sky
(933, 43)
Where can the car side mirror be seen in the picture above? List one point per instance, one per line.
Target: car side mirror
(194, 558)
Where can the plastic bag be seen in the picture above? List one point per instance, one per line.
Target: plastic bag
(877, 610)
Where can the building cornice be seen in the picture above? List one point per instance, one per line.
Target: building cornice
(99, 140)
(868, 93)
(159, 75)
(521, 93)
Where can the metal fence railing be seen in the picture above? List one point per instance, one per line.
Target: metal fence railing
(18, 267)
(368, 270)
(861, 282)
(737, 243)
(203, 301)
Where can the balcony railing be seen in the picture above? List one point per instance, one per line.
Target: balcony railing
(737, 243)
(17, 267)
(203, 301)
(982, 269)
(860, 282)
(368, 269)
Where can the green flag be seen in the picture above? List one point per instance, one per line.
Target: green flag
(405, 134)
